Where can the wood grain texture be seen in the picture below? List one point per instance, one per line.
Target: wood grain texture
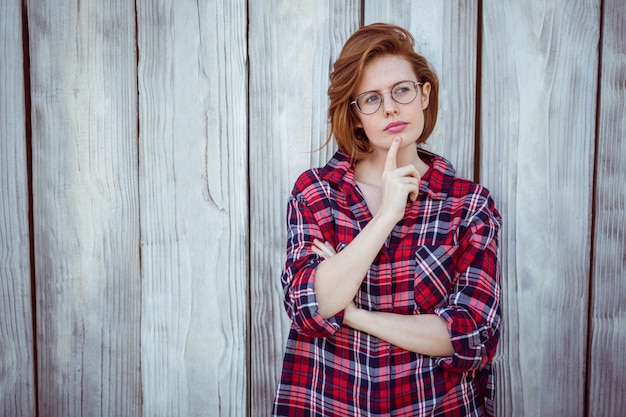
(194, 210)
(17, 385)
(86, 226)
(539, 75)
(607, 359)
(159, 193)
(292, 48)
(446, 34)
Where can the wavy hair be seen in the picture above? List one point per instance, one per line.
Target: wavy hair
(366, 44)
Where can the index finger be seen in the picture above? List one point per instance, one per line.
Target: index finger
(390, 161)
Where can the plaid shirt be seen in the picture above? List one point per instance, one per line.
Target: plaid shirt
(442, 258)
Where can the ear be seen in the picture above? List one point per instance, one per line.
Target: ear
(425, 96)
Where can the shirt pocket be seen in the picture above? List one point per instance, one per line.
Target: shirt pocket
(435, 276)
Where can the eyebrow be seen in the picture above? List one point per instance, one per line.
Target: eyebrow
(392, 85)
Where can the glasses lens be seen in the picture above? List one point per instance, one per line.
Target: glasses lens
(404, 92)
(369, 102)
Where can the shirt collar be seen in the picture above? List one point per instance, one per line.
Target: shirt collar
(436, 183)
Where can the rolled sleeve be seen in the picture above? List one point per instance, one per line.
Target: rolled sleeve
(473, 312)
(298, 276)
(473, 345)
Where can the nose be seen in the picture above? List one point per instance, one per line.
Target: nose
(389, 105)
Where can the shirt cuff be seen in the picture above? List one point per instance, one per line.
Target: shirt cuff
(469, 340)
(304, 309)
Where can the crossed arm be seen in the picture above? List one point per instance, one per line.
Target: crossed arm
(425, 333)
(339, 276)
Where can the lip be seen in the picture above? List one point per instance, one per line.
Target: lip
(395, 127)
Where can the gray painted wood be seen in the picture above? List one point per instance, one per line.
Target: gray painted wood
(85, 201)
(193, 187)
(17, 385)
(160, 183)
(292, 47)
(607, 359)
(539, 74)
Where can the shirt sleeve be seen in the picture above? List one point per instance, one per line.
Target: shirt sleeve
(299, 272)
(473, 311)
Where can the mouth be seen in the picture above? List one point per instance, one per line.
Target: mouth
(395, 127)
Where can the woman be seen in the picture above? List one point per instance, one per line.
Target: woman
(391, 279)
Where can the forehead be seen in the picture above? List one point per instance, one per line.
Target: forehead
(383, 72)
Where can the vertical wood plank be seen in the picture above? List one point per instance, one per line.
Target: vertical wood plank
(17, 386)
(85, 207)
(292, 48)
(446, 34)
(194, 215)
(607, 362)
(539, 75)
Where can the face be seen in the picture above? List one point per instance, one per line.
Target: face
(392, 119)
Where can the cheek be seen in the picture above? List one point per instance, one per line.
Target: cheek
(360, 123)
(369, 129)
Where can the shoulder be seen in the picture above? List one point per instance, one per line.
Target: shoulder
(467, 189)
(472, 194)
(309, 188)
(316, 182)
(463, 194)
(306, 180)
(477, 205)
(443, 179)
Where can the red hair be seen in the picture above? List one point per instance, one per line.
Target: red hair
(366, 44)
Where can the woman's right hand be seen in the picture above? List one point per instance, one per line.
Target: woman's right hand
(339, 276)
(398, 184)
(324, 250)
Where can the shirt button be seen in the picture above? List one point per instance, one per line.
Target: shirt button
(485, 334)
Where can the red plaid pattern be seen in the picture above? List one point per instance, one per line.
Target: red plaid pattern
(442, 258)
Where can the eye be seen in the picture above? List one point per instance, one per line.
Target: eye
(369, 99)
(401, 89)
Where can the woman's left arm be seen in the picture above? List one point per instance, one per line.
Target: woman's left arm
(465, 332)
(424, 333)
(473, 312)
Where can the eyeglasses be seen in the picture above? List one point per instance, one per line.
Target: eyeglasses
(403, 92)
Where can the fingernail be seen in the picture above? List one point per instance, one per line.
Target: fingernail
(396, 139)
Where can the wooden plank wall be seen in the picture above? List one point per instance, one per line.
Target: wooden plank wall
(85, 207)
(17, 391)
(291, 49)
(193, 203)
(607, 315)
(545, 90)
(148, 149)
